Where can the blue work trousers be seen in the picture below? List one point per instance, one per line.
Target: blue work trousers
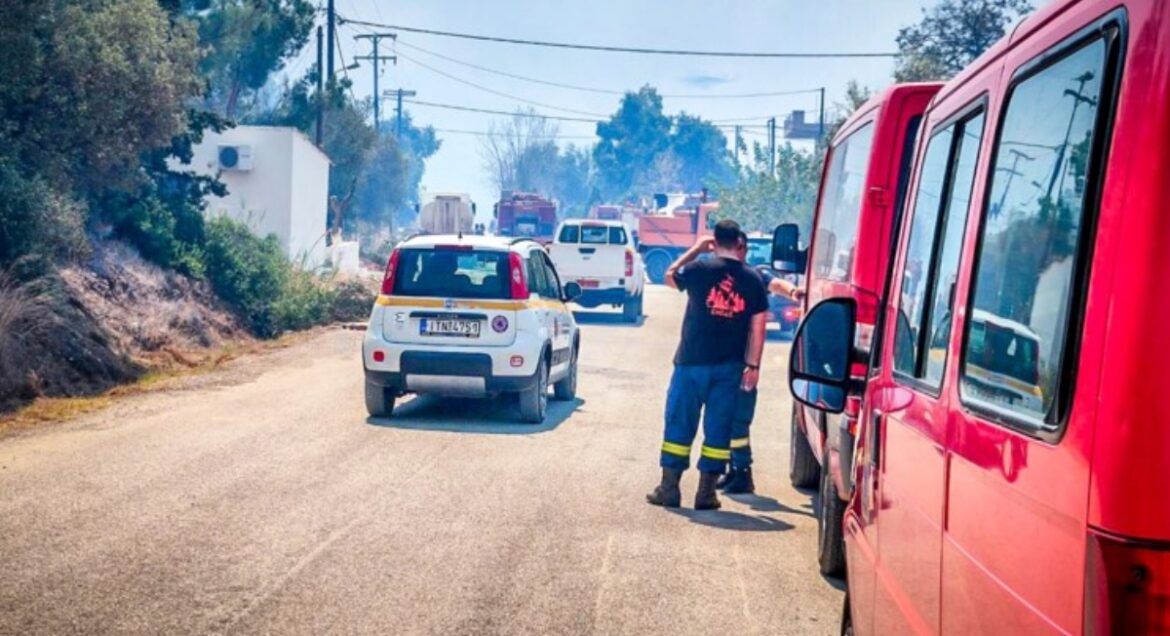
(710, 391)
(741, 426)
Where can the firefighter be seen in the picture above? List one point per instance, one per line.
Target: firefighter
(738, 480)
(718, 354)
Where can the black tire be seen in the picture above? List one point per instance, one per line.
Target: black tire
(379, 400)
(566, 388)
(534, 401)
(631, 311)
(803, 469)
(830, 534)
(657, 262)
(846, 618)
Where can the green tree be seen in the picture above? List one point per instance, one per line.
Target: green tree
(86, 87)
(759, 201)
(630, 141)
(246, 42)
(701, 151)
(951, 35)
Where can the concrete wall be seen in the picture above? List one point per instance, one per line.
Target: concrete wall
(285, 193)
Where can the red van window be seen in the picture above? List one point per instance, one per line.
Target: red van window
(1030, 236)
(841, 206)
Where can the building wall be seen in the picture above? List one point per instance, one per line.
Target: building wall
(285, 193)
(310, 202)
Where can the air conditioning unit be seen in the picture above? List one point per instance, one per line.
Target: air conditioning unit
(235, 157)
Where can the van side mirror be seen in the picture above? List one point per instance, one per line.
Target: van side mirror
(572, 291)
(787, 257)
(818, 373)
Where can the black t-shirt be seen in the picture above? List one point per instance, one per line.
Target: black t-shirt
(722, 296)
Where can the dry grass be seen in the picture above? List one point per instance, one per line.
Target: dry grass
(25, 311)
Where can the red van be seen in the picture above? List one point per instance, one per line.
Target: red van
(861, 192)
(1010, 462)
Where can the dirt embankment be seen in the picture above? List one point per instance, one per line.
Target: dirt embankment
(83, 329)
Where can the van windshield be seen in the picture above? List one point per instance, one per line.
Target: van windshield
(452, 274)
(759, 251)
(840, 208)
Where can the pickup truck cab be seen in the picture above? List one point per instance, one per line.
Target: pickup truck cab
(600, 257)
(858, 211)
(1010, 473)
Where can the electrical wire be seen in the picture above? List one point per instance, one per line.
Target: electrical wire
(615, 49)
(481, 133)
(602, 91)
(489, 111)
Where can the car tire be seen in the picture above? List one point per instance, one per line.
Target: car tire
(847, 618)
(566, 388)
(657, 262)
(803, 469)
(379, 400)
(631, 309)
(830, 535)
(534, 401)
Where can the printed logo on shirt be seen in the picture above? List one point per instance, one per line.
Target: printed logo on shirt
(724, 301)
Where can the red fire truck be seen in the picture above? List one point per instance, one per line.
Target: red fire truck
(526, 214)
(675, 226)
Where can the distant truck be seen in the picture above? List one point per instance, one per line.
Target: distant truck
(450, 213)
(526, 214)
(674, 226)
(628, 214)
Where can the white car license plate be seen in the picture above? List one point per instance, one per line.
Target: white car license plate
(449, 327)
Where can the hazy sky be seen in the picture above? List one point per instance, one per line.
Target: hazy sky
(740, 25)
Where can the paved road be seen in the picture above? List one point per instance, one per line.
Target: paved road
(261, 500)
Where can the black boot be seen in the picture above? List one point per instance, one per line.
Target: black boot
(724, 478)
(739, 482)
(667, 493)
(705, 498)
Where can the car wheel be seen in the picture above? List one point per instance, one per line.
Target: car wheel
(830, 536)
(379, 400)
(803, 469)
(630, 309)
(534, 401)
(566, 389)
(657, 263)
(846, 618)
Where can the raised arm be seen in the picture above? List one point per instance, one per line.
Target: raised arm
(781, 287)
(704, 244)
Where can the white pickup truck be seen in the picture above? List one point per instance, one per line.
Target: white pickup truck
(600, 257)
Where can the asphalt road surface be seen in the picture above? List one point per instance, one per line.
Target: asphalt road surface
(260, 499)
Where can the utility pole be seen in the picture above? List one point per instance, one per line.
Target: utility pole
(772, 147)
(331, 23)
(821, 134)
(320, 89)
(399, 94)
(377, 59)
(1058, 169)
(738, 143)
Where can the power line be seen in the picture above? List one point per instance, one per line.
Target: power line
(489, 111)
(481, 133)
(602, 91)
(538, 115)
(615, 49)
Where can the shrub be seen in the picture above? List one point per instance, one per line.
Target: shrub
(352, 301)
(249, 273)
(306, 302)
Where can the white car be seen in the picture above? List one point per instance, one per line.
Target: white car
(471, 316)
(600, 257)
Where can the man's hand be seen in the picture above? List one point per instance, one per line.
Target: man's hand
(751, 378)
(705, 244)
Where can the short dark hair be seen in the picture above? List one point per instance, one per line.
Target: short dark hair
(728, 234)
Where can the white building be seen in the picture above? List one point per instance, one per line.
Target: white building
(277, 182)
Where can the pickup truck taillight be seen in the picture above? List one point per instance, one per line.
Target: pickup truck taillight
(391, 268)
(1127, 586)
(629, 263)
(516, 276)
